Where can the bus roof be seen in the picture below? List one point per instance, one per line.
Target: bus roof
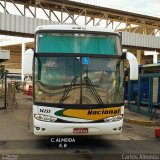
(66, 27)
(150, 65)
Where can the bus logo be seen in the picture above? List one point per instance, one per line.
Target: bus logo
(103, 111)
(89, 114)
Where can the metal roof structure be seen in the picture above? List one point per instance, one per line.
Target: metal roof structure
(144, 24)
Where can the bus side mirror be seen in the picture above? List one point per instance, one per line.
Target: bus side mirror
(133, 66)
(28, 62)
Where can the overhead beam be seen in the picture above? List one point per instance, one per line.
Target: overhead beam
(17, 8)
(4, 7)
(113, 17)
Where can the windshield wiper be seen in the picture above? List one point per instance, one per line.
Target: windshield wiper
(68, 90)
(93, 90)
(89, 84)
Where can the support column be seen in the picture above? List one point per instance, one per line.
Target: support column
(5, 7)
(22, 64)
(35, 9)
(139, 56)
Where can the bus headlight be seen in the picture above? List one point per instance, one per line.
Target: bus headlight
(45, 118)
(113, 119)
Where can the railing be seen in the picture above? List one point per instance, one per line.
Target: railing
(143, 96)
(9, 83)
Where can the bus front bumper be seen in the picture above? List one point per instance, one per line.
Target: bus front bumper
(50, 128)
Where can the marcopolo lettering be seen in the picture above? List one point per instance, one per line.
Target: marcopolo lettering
(103, 111)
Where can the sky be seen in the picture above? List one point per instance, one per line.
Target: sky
(149, 7)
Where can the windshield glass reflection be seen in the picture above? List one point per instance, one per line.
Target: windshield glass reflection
(69, 80)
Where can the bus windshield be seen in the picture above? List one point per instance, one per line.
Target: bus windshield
(66, 80)
(78, 43)
(78, 79)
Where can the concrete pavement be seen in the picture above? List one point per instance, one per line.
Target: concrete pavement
(14, 123)
(136, 118)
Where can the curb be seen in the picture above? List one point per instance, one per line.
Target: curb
(142, 122)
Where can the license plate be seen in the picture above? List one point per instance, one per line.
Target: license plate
(80, 130)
